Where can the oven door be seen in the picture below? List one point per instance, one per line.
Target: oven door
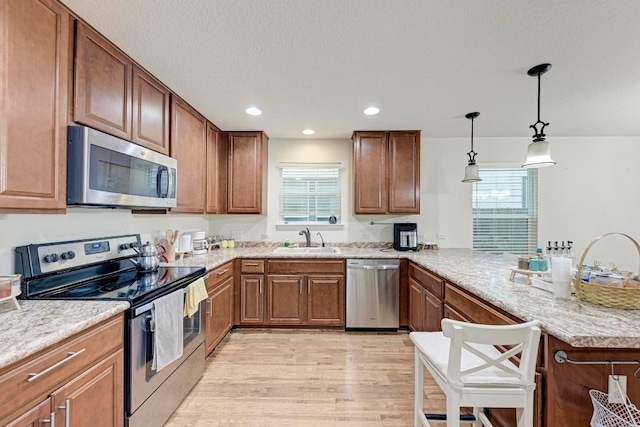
(141, 380)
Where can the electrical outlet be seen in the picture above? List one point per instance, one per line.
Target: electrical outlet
(617, 388)
(364, 235)
(442, 236)
(236, 235)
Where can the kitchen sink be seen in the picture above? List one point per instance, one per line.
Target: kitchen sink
(305, 250)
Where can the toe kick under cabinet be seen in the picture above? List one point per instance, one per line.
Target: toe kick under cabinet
(78, 382)
(293, 292)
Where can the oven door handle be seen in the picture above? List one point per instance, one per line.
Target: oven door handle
(138, 311)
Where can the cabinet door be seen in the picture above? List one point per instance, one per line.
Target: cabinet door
(151, 103)
(433, 312)
(246, 177)
(370, 151)
(285, 305)
(219, 314)
(404, 172)
(252, 299)
(325, 300)
(102, 84)
(416, 306)
(95, 398)
(213, 167)
(34, 45)
(39, 415)
(189, 147)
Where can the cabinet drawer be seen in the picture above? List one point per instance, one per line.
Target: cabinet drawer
(55, 366)
(428, 280)
(220, 274)
(295, 266)
(476, 310)
(252, 266)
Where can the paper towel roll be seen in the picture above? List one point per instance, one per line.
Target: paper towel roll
(560, 269)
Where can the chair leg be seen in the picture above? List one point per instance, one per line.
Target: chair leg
(418, 409)
(476, 413)
(453, 410)
(524, 416)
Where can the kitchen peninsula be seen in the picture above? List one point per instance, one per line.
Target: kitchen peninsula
(584, 331)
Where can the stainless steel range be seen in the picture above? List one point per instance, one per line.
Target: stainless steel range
(101, 269)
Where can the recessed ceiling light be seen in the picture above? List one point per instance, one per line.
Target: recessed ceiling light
(371, 111)
(308, 131)
(253, 111)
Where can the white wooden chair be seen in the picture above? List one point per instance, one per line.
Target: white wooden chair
(472, 372)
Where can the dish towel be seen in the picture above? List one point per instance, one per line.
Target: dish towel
(168, 329)
(196, 292)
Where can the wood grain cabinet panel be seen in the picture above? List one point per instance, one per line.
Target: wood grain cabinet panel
(386, 167)
(285, 300)
(325, 300)
(103, 84)
(220, 306)
(416, 306)
(39, 415)
(34, 53)
(214, 169)
(151, 103)
(252, 299)
(189, 147)
(246, 190)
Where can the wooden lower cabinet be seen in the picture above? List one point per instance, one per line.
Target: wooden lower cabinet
(252, 299)
(81, 382)
(219, 313)
(316, 300)
(426, 307)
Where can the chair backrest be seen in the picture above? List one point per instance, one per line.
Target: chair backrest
(522, 338)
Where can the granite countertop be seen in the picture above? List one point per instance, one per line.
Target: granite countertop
(40, 324)
(575, 322)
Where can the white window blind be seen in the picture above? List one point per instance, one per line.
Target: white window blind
(309, 193)
(505, 211)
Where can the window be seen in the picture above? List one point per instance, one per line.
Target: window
(309, 193)
(505, 211)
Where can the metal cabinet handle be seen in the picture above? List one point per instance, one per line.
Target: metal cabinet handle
(300, 287)
(51, 420)
(209, 305)
(220, 273)
(70, 355)
(308, 287)
(251, 264)
(260, 280)
(67, 408)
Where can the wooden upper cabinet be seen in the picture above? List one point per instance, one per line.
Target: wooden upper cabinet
(102, 84)
(151, 103)
(246, 172)
(370, 151)
(386, 172)
(34, 46)
(214, 169)
(404, 172)
(189, 148)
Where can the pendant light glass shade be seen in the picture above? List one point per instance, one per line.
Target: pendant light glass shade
(471, 171)
(539, 151)
(538, 155)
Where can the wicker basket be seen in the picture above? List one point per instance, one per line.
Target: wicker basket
(608, 296)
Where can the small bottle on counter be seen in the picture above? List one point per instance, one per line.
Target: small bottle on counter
(286, 243)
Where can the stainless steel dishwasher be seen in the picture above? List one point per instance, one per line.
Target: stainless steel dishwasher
(373, 287)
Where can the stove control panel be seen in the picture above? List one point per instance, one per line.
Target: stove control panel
(52, 257)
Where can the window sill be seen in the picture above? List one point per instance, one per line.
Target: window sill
(311, 225)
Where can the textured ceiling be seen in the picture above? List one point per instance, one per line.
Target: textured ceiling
(424, 63)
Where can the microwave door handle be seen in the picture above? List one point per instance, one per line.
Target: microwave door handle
(159, 182)
(169, 180)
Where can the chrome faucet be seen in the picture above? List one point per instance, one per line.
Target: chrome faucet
(307, 235)
(318, 234)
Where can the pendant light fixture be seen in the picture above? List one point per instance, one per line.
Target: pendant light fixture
(471, 173)
(539, 151)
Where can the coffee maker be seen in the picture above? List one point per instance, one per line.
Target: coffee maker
(405, 236)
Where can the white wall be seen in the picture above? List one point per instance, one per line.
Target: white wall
(589, 192)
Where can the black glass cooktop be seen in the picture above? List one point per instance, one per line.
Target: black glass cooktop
(131, 285)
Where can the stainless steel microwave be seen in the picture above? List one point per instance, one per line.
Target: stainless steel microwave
(103, 170)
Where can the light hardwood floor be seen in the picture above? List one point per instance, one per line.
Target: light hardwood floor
(306, 378)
